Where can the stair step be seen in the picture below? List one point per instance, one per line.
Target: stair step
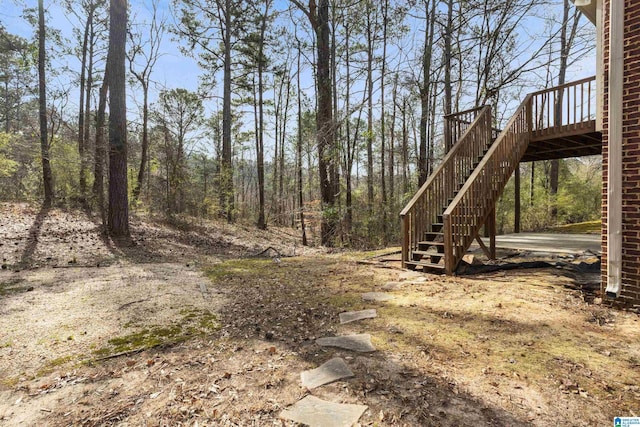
(423, 264)
(431, 243)
(432, 235)
(428, 253)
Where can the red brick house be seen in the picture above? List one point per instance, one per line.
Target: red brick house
(618, 75)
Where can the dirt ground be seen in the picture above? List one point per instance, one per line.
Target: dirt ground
(184, 326)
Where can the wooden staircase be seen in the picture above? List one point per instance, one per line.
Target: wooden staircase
(444, 217)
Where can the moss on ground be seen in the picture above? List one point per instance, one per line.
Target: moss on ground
(591, 227)
(12, 287)
(193, 323)
(54, 363)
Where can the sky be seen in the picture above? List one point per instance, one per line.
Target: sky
(174, 70)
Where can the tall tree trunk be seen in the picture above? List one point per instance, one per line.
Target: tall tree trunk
(370, 194)
(425, 90)
(432, 130)
(392, 144)
(260, 140)
(100, 152)
(448, 33)
(325, 126)
(168, 188)
(118, 218)
(351, 138)
(334, 167)
(144, 77)
(47, 174)
(383, 179)
(299, 155)
(226, 172)
(276, 148)
(7, 108)
(81, 107)
(532, 183)
(405, 148)
(144, 152)
(325, 132)
(348, 158)
(283, 135)
(262, 223)
(84, 161)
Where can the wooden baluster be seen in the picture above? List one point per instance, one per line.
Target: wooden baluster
(589, 104)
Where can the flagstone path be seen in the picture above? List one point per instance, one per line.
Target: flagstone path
(316, 412)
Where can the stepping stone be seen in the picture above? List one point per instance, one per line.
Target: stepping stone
(316, 412)
(328, 372)
(352, 316)
(377, 296)
(409, 275)
(392, 286)
(359, 342)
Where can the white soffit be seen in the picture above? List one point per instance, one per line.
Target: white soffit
(588, 7)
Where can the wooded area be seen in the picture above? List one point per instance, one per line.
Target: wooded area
(323, 116)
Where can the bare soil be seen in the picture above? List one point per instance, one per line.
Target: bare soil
(183, 325)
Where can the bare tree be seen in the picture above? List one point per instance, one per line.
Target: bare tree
(213, 26)
(82, 112)
(100, 151)
(318, 16)
(149, 51)
(299, 152)
(425, 90)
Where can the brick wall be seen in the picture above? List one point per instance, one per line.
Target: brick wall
(630, 294)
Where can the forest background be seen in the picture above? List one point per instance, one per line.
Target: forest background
(325, 117)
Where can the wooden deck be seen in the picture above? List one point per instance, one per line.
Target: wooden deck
(458, 199)
(564, 123)
(565, 143)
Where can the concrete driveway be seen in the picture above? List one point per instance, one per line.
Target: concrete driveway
(549, 242)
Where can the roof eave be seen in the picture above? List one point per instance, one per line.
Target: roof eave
(588, 8)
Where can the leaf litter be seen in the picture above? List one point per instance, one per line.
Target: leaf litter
(516, 348)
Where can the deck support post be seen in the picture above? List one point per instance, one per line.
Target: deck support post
(516, 196)
(406, 239)
(492, 233)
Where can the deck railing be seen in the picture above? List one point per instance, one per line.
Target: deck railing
(424, 208)
(564, 110)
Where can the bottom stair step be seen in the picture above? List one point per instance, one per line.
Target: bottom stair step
(424, 264)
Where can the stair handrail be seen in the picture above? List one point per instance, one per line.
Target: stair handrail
(422, 210)
(476, 199)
